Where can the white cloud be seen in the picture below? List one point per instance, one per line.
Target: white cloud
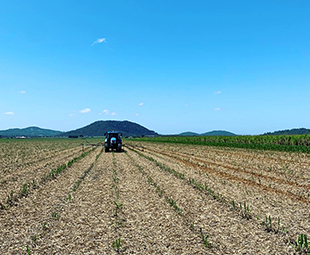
(137, 114)
(9, 113)
(99, 40)
(141, 104)
(107, 112)
(85, 110)
(217, 92)
(22, 92)
(71, 114)
(217, 109)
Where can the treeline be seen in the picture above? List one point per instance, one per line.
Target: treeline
(290, 143)
(294, 131)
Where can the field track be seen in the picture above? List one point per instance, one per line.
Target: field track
(156, 198)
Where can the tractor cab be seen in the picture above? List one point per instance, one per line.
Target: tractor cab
(113, 140)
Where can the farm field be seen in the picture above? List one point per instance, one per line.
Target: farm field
(58, 197)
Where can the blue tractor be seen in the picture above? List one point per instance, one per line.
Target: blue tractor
(113, 140)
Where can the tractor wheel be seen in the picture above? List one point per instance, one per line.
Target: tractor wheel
(106, 148)
(119, 147)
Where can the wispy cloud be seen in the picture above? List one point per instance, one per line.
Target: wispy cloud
(85, 110)
(217, 109)
(71, 114)
(22, 92)
(107, 112)
(141, 104)
(9, 113)
(99, 40)
(217, 92)
(137, 114)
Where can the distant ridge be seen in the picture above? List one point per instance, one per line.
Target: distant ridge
(98, 128)
(294, 131)
(211, 133)
(218, 133)
(189, 134)
(29, 132)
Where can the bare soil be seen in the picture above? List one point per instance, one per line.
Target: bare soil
(159, 199)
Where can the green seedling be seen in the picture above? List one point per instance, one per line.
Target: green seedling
(268, 223)
(34, 185)
(174, 205)
(55, 215)
(192, 226)
(117, 244)
(27, 249)
(24, 192)
(233, 204)
(302, 244)
(205, 239)
(10, 199)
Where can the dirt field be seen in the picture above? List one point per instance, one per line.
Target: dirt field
(153, 198)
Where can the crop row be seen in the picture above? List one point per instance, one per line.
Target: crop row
(118, 207)
(301, 244)
(28, 186)
(162, 193)
(289, 143)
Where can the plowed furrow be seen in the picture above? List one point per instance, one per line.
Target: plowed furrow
(231, 177)
(35, 215)
(151, 225)
(217, 219)
(236, 170)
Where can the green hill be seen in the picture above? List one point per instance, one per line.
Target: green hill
(29, 132)
(294, 131)
(211, 133)
(98, 128)
(188, 134)
(218, 133)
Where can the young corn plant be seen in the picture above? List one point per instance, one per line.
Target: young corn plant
(205, 241)
(44, 225)
(117, 245)
(10, 200)
(268, 223)
(28, 250)
(173, 204)
(245, 211)
(69, 197)
(302, 244)
(118, 207)
(24, 191)
(34, 239)
(55, 215)
(233, 204)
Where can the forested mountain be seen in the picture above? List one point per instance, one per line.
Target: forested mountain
(29, 132)
(211, 133)
(218, 133)
(294, 131)
(98, 128)
(188, 134)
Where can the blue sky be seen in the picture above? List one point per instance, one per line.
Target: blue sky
(171, 66)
